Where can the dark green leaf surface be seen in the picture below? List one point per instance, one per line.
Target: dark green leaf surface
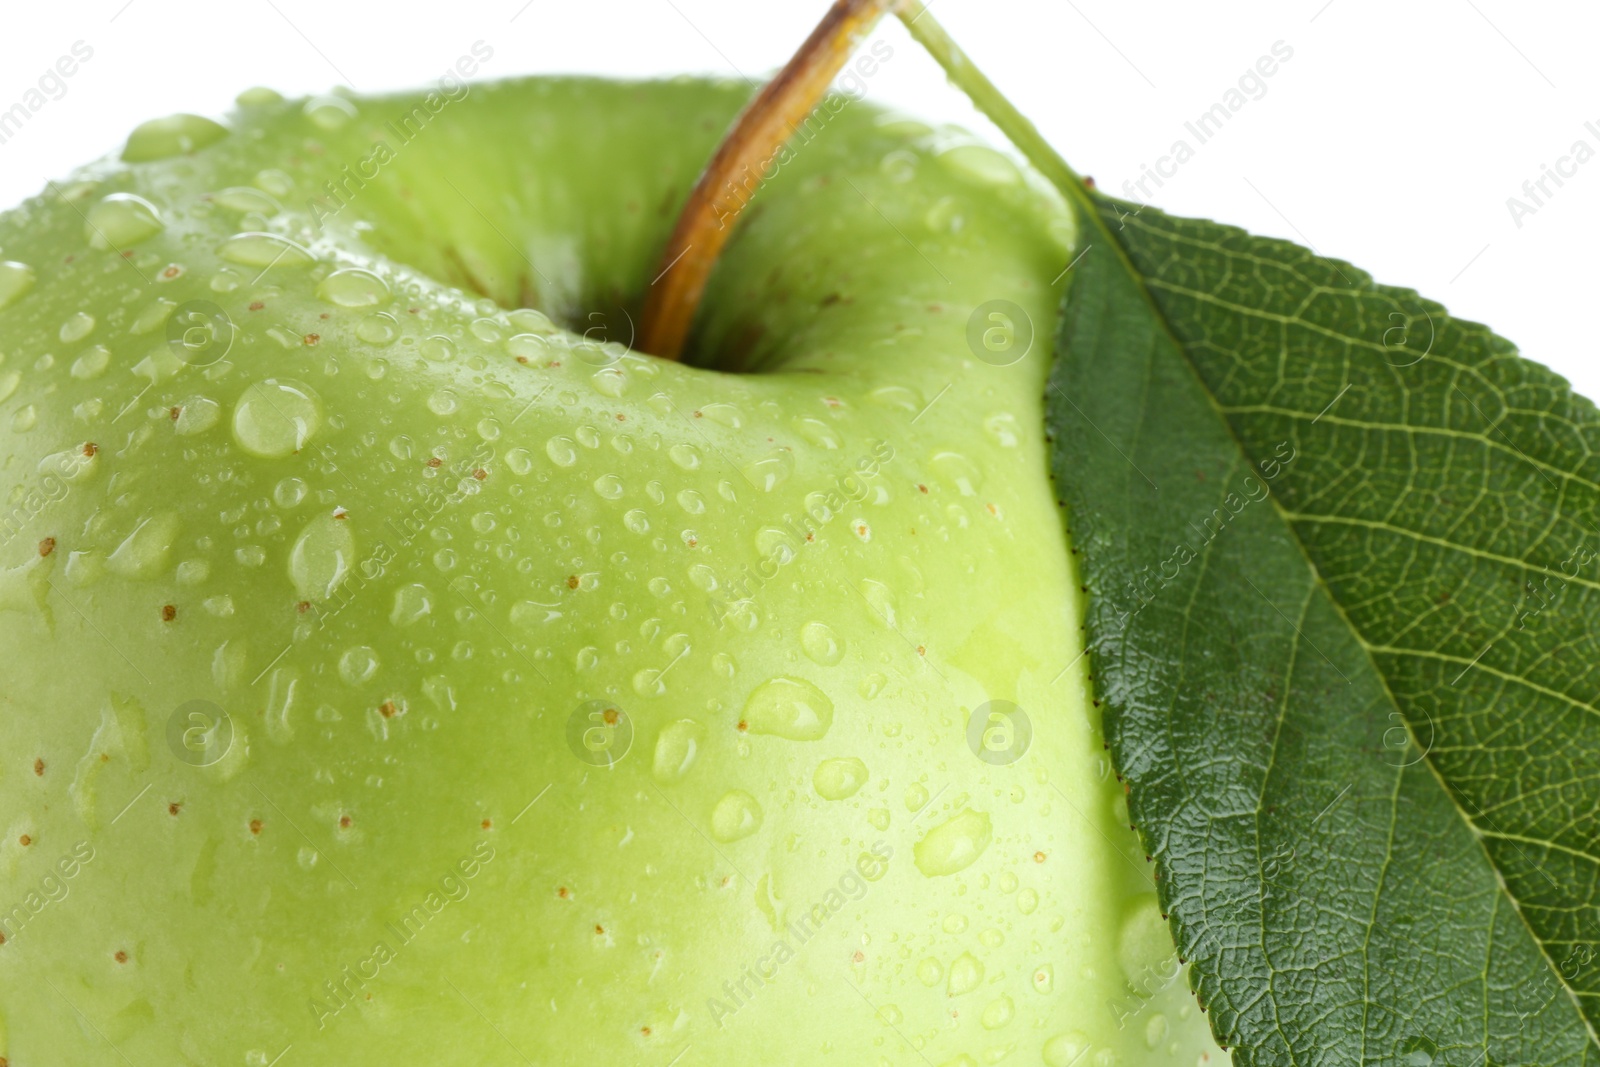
(1343, 557)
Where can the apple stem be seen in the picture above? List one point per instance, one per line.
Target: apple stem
(762, 128)
(983, 93)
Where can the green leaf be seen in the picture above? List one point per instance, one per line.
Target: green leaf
(1343, 561)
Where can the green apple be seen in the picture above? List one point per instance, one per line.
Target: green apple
(401, 669)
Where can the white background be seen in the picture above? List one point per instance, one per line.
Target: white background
(1393, 138)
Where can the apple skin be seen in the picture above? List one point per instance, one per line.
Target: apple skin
(402, 535)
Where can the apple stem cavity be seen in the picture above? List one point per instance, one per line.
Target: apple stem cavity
(761, 129)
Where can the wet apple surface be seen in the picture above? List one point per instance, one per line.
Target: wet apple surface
(400, 664)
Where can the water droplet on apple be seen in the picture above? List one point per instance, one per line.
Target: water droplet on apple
(691, 501)
(353, 287)
(24, 419)
(611, 381)
(437, 349)
(120, 221)
(736, 816)
(561, 451)
(1027, 901)
(258, 96)
(770, 471)
(916, 796)
(722, 414)
(637, 521)
(958, 472)
(980, 165)
(8, 384)
(329, 112)
(685, 456)
(379, 328)
(608, 486)
(528, 320)
(276, 417)
(289, 492)
(821, 644)
(871, 685)
(789, 708)
(322, 556)
(998, 1013)
(411, 603)
(282, 689)
(944, 216)
(358, 664)
(818, 433)
(174, 135)
(966, 971)
(244, 198)
(15, 281)
(528, 346)
(676, 748)
(78, 326)
(900, 165)
(257, 249)
(954, 844)
(91, 362)
(881, 599)
(1064, 1050)
(143, 553)
(840, 778)
(196, 415)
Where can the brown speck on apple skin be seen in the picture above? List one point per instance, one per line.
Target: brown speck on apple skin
(344, 822)
(89, 449)
(645, 1030)
(610, 715)
(435, 462)
(256, 305)
(174, 412)
(47, 546)
(1038, 857)
(303, 607)
(480, 474)
(564, 893)
(599, 930)
(168, 613)
(175, 807)
(572, 581)
(921, 488)
(38, 767)
(255, 826)
(621, 417)
(743, 726)
(487, 824)
(24, 840)
(120, 956)
(312, 339)
(387, 709)
(522, 359)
